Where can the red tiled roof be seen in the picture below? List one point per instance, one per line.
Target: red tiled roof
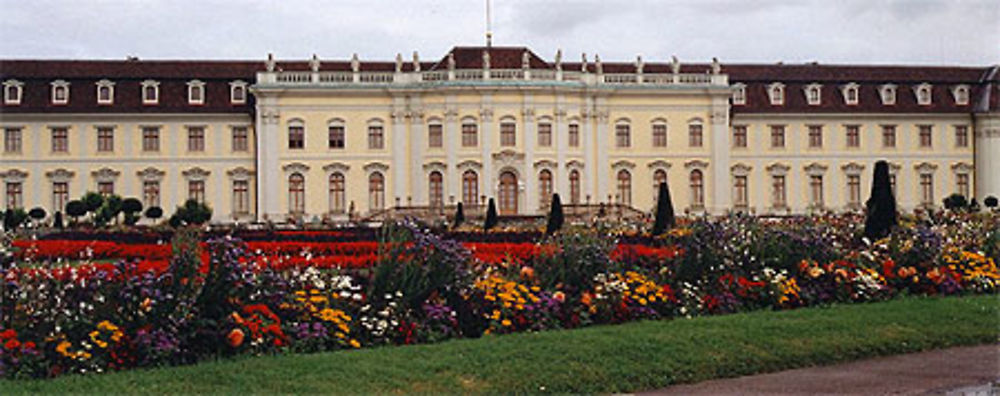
(500, 58)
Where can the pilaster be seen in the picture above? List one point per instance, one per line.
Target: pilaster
(603, 181)
(720, 158)
(268, 148)
(486, 143)
(562, 174)
(530, 181)
(987, 156)
(399, 179)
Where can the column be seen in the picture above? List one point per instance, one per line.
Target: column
(530, 176)
(418, 143)
(451, 139)
(987, 156)
(602, 165)
(486, 143)
(398, 165)
(268, 148)
(589, 154)
(562, 145)
(720, 156)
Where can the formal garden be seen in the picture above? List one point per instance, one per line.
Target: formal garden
(105, 295)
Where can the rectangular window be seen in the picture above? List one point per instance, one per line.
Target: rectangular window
(574, 135)
(12, 140)
(927, 189)
(151, 193)
(623, 136)
(925, 136)
(241, 140)
(816, 190)
(961, 136)
(508, 134)
(695, 135)
(335, 135)
(296, 137)
(60, 195)
(241, 197)
(150, 139)
(469, 135)
(777, 136)
(778, 189)
(60, 140)
(739, 136)
(659, 135)
(962, 184)
(106, 188)
(815, 136)
(15, 200)
(854, 191)
(888, 136)
(740, 193)
(196, 139)
(853, 136)
(435, 136)
(105, 139)
(376, 140)
(196, 190)
(545, 135)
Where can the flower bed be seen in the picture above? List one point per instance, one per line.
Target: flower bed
(312, 291)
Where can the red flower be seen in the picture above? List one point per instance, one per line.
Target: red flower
(9, 333)
(12, 344)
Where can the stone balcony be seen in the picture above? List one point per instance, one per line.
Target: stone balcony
(485, 76)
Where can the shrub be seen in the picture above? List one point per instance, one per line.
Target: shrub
(664, 211)
(955, 202)
(990, 202)
(13, 218)
(881, 205)
(57, 220)
(556, 217)
(131, 206)
(92, 201)
(491, 216)
(459, 215)
(193, 212)
(154, 213)
(37, 213)
(75, 209)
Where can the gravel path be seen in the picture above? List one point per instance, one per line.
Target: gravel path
(954, 371)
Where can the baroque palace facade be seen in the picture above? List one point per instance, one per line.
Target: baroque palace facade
(276, 140)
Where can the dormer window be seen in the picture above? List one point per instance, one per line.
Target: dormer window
(60, 92)
(12, 90)
(813, 94)
(923, 92)
(196, 92)
(238, 92)
(850, 92)
(105, 92)
(888, 94)
(739, 94)
(961, 94)
(776, 92)
(150, 92)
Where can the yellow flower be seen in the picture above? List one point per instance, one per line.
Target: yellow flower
(354, 343)
(506, 322)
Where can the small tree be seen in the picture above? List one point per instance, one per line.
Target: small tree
(881, 205)
(990, 202)
(491, 216)
(664, 210)
(57, 220)
(131, 207)
(113, 205)
(75, 209)
(459, 215)
(974, 206)
(154, 213)
(8, 219)
(37, 214)
(193, 212)
(955, 202)
(92, 201)
(556, 217)
(13, 218)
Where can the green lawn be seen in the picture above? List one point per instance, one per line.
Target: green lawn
(622, 358)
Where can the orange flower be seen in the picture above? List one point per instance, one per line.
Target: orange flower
(235, 338)
(527, 272)
(586, 299)
(559, 296)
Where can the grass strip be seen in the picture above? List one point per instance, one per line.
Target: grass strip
(603, 359)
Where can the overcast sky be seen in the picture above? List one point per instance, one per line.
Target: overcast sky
(829, 31)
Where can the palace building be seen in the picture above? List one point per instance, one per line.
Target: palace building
(352, 139)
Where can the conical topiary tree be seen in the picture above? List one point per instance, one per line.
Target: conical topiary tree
(556, 217)
(881, 205)
(57, 220)
(491, 216)
(664, 211)
(459, 215)
(990, 202)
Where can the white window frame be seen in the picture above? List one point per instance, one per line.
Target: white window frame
(814, 100)
(887, 93)
(194, 85)
(778, 100)
(849, 88)
(7, 100)
(961, 94)
(233, 87)
(55, 86)
(921, 99)
(156, 90)
(739, 94)
(111, 92)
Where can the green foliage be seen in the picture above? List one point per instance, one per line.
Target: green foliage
(955, 202)
(459, 216)
(990, 202)
(37, 213)
(13, 218)
(154, 212)
(131, 207)
(491, 216)
(76, 208)
(575, 259)
(193, 212)
(556, 219)
(881, 205)
(92, 201)
(57, 220)
(664, 210)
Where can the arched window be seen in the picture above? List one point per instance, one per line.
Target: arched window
(436, 183)
(574, 187)
(659, 176)
(376, 191)
(544, 188)
(624, 187)
(470, 188)
(296, 193)
(337, 193)
(149, 94)
(697, 189)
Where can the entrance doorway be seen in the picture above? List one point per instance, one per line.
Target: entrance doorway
(508, 193)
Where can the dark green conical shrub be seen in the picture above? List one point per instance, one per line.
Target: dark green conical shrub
(556, 217)
(880, 211)
(491, 216)
(459, 215)
(664, 211)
